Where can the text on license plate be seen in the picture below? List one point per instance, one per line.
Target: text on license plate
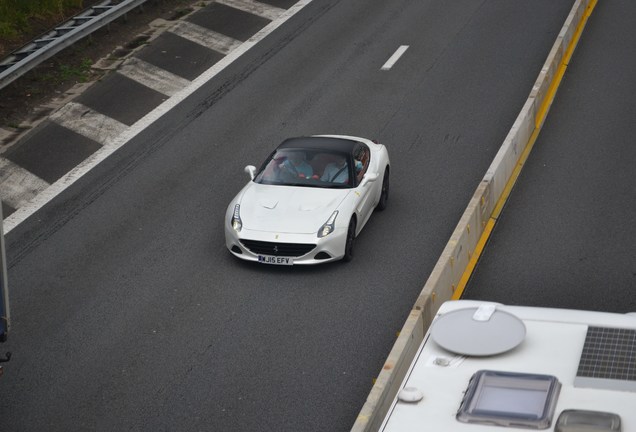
(278, 260)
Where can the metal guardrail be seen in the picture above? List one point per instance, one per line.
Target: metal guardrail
(47, 45)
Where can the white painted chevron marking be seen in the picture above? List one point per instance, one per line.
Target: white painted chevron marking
(152, 76)
(205, 37)
(254, 7)
(87, 122)
(19, 186)
(76, 173)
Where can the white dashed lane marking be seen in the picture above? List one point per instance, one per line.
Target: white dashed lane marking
(254, 7)
(89, 123)
(395, 57)
(153, 77)
(19, 186)
(207, 38)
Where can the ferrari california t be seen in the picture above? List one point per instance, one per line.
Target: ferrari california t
(308, 201)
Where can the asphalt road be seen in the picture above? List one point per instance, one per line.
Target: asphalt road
(566, 236)
(128, 312)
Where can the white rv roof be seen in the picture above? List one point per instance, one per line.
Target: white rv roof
(548, 342)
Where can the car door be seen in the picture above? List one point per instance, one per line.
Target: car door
(364, 190)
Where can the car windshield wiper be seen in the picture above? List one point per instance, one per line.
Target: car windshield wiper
(311, 185)
(295, 184)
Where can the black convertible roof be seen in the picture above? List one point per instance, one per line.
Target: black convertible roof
(318, 142)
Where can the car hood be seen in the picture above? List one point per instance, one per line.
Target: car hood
(288, 209)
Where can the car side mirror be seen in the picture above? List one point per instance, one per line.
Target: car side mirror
(251, 170)
(368, 178)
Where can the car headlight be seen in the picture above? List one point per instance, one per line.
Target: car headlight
(328, 227)
(236, 222)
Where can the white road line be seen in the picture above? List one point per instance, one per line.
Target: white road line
(202, 36)
(395, 57)
(254, 7)
(87, 122)
(22, 213)
(152, 76)
(19, 186)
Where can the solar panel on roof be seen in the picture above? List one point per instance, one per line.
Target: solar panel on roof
(608, 360)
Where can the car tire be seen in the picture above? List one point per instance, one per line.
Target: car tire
(384, 194)
(351, 237)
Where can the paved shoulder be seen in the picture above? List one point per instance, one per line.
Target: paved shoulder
(168, 63)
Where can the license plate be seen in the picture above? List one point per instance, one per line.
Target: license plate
(277, 260)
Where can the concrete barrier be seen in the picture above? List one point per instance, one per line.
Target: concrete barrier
(455, 264)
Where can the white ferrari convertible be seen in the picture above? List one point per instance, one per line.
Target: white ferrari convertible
(308, 201)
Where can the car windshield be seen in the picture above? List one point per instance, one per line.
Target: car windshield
(306, 167)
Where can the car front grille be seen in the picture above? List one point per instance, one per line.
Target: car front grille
(278, 249)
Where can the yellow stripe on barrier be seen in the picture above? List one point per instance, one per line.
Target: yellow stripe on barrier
(541, 114)
(485, 235)
(556, 81)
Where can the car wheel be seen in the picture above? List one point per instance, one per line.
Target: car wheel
(351, 237)
(384, 195)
